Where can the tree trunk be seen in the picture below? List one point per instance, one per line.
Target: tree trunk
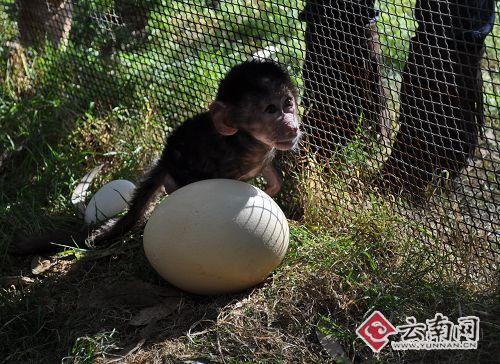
(343, 90)
(441, 109)
(44, 19)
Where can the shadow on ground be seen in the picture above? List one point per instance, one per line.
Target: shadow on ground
(111, 301)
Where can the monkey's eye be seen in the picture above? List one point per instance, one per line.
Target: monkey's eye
(288, 102)
(271, 109)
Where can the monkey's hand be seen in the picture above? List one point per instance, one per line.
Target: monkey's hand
(273, 180)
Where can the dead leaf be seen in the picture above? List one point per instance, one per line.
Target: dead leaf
(332, 347)
(17, 281)
(40, 265)
(150, 315)
(81, 192)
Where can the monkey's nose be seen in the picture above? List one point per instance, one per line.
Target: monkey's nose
(292, 130)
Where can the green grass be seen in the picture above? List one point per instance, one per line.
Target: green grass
(353, 251)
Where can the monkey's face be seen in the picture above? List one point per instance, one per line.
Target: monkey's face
(274, 122)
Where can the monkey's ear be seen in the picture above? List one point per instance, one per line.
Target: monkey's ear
(218, 112)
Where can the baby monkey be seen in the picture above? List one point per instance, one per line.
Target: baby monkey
(253, 115)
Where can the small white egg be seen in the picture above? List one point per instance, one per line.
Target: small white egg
(109, 201)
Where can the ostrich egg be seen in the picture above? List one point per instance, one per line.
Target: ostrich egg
(216, 236)
(109, 201)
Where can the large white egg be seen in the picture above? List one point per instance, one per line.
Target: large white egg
(216, 236)
(109, 201)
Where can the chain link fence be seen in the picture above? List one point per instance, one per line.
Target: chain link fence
(399, 99)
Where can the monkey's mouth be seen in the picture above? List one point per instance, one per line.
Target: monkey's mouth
(287, 144)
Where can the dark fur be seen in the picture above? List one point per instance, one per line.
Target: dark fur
(196, 151)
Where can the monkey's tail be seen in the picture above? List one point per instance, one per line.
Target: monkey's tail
(49, 242)
(141, 199)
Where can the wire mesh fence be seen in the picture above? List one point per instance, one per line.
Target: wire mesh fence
(399, 99)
